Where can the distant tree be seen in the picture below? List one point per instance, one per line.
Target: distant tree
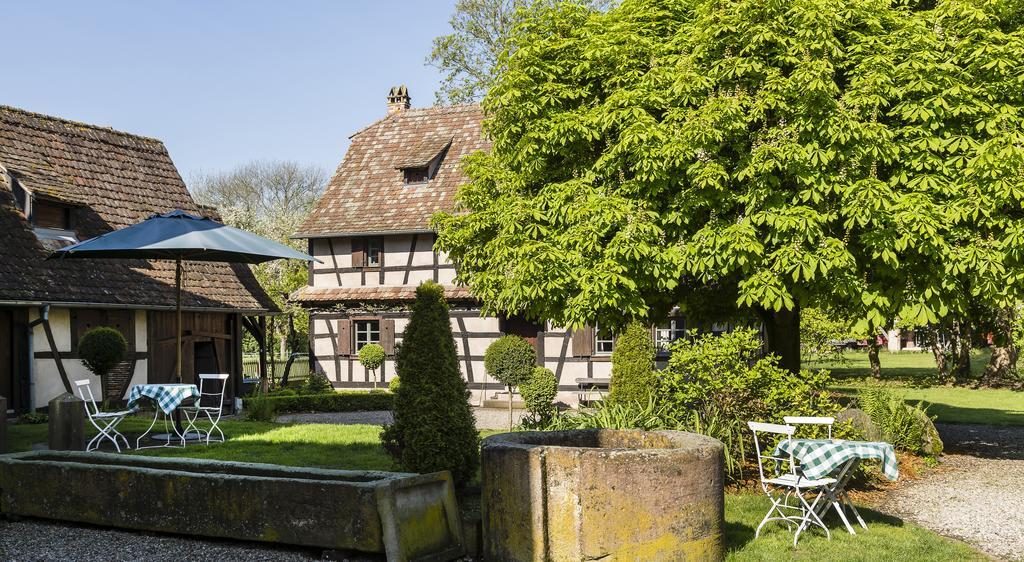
(272, 199)
(469, 55)
(434, 427)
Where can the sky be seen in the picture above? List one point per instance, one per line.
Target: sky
(222, 82)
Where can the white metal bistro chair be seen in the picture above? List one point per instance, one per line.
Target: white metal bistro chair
(104, 422)
(784, 487)
(811, 420)
(210, 403)
(836, 495)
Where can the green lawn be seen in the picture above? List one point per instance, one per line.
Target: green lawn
(907, 373)
(887, 538)
(905, 366)
(358, 447)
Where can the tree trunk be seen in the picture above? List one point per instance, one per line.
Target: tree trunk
(940, 360)
(1003, 362)
(962, 352)
(876, 364)
(782, 336)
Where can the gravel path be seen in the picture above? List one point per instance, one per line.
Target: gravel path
(41, 540)
(486, 418)
(976, 494)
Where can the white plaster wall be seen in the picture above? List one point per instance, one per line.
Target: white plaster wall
(477, 324)
(446, 277)
(141, 323)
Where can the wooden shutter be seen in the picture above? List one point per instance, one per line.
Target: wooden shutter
(387, 335)
(344, 337)
(583, 341)
(357, 253)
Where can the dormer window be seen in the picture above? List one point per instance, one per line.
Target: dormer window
(421, 162)
(416, 175)
(46, 214)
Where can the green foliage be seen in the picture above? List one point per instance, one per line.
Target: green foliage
(281, 392)
(908, 427)
(394, 384)
(861, 153)
(510, 359)
(101, 349)
(260, 408)
(633, 377)
(649, 416)
(33, 418)
(317, 383)
(345, 401)
(719, 383)
(434, 427)
(819, 332)
(468, 56)
(539, 391)
(372, 356)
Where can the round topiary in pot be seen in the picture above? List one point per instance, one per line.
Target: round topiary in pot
(510, 360)
(372, 356)
(101, 349)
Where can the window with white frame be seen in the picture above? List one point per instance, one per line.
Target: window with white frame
(374, 251)
(668, 332)
(366, 332)
(604, 341)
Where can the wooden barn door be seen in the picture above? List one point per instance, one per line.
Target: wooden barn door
(207, 347)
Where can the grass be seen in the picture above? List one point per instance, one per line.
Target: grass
(905, 367)
(357, 447)
(887, 538)
(908, 374)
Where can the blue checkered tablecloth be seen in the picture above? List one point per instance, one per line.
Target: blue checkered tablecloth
(820, 457)
(167, 396)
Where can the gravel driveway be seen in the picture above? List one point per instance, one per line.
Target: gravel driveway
(43, 540)
(977, 492)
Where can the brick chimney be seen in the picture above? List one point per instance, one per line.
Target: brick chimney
(398, 99)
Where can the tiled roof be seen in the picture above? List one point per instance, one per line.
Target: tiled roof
(322, 295)
(367, 193)
(117, 179)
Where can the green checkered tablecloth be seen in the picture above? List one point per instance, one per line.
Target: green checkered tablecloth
(820, 457)
(167, 396)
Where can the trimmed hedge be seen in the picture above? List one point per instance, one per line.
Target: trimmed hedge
(351, 401)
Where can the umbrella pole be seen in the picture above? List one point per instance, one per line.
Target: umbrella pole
(177, 282)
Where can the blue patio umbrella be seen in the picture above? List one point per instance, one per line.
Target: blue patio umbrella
(180, 236)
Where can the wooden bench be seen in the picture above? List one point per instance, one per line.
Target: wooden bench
(591, 389)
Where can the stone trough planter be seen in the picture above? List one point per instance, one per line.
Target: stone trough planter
(405, 516)
(603, 494)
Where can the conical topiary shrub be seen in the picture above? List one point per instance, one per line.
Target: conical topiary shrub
(434, 428)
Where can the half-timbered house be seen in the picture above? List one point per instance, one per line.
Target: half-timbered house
(60, 182)
(371, 231)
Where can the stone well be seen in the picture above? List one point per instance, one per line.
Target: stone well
(603, 494)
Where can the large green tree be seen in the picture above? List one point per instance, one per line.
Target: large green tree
(769, 154)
